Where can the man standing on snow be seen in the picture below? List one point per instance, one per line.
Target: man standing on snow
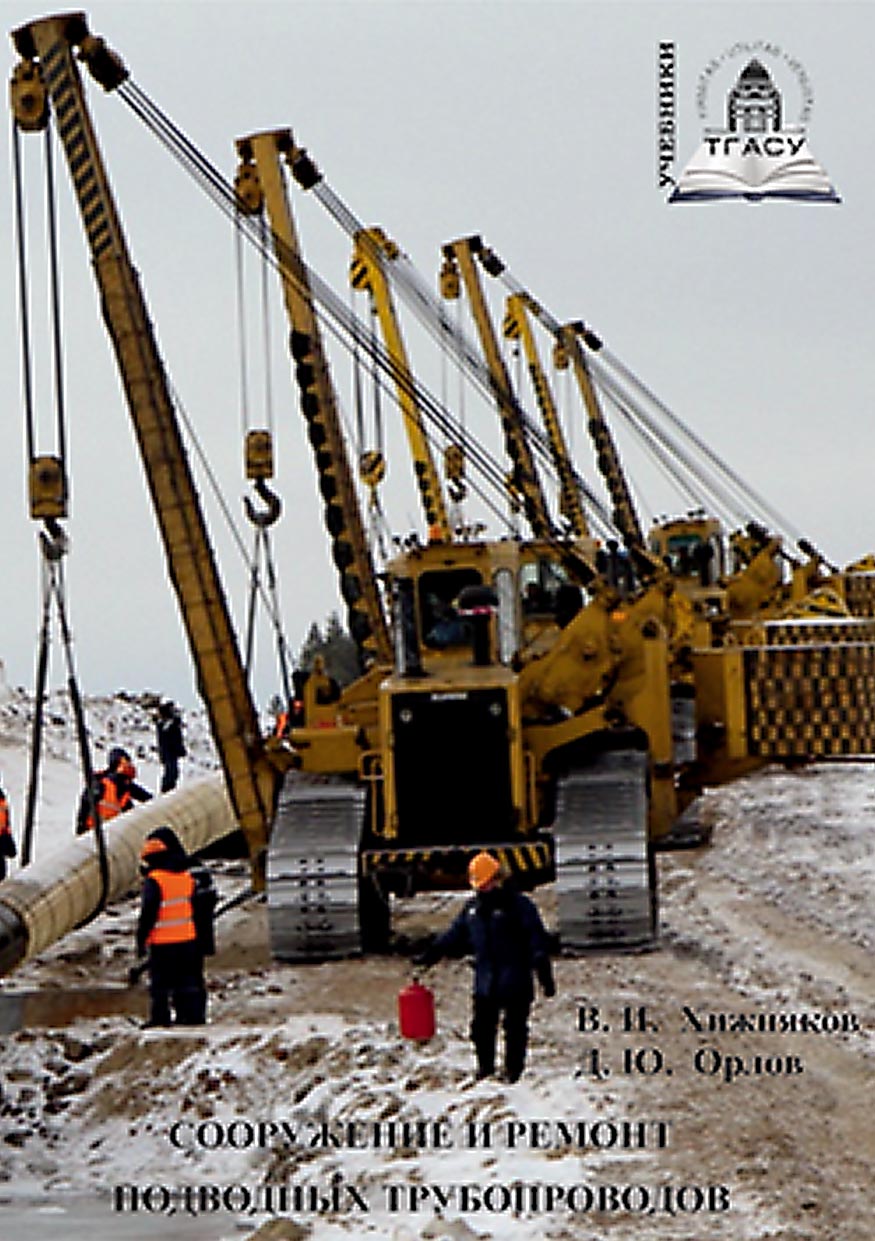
(176, 926)
(504, 932)
(171, 747)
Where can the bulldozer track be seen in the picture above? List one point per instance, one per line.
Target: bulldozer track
(604, 889)
(312, 871)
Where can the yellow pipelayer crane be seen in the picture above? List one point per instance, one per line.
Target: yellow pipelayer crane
(559, 758)
(46, 81)
(779, 672)
(732, 712)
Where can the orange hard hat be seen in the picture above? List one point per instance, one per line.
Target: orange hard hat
(151, 845)
(482, 870)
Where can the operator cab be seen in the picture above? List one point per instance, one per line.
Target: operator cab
(444, 595)
(548, 597)
(542, 578)
(692, 548)
(441, 624)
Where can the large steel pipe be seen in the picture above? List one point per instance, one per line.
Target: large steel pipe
(51, 897)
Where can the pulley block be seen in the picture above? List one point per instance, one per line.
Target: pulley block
(47, 487)
(28, 97)
(259, 455)
(372, 468)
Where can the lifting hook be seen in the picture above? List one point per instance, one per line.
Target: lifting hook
(274, 506)
(54, 540)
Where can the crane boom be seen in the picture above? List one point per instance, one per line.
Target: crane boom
(48, 65)
(372, 249)
(568, 350)
(260, 185)
(625, 517)
(459, 260)
(518, 327)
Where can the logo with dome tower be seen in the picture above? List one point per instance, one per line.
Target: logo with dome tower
(761, 148)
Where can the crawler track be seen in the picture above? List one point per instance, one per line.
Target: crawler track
(604, 879)
(312, 872)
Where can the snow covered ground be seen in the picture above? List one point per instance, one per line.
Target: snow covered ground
(721, 1086)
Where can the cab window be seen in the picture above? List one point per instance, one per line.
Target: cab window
(442, 626)
(540, 581)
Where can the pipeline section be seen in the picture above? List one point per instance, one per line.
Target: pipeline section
(54, 895)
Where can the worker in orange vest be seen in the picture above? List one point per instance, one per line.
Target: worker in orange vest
(175, 926)
(7, 844)
(114, 790)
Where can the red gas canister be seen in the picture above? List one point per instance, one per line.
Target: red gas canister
(416, 1012)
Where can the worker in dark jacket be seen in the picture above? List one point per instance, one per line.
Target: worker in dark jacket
(171, 746)
(114, 790)
(176, 926)
(504, 932)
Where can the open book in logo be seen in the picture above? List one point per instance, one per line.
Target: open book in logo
(754, 157)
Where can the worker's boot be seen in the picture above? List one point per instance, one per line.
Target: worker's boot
(484, 1027)
(516, 1037)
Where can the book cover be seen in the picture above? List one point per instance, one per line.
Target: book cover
(716, 1085)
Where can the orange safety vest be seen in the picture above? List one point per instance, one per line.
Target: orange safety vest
(110, 804)
(175, 921)
(4, 817)
(282, 724)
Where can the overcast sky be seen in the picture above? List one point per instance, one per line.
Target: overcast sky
(530, 123)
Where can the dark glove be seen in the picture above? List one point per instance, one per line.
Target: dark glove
(133, 976)
(545, 978)
(423, 957)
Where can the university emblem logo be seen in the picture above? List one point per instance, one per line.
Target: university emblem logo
(757, 154)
